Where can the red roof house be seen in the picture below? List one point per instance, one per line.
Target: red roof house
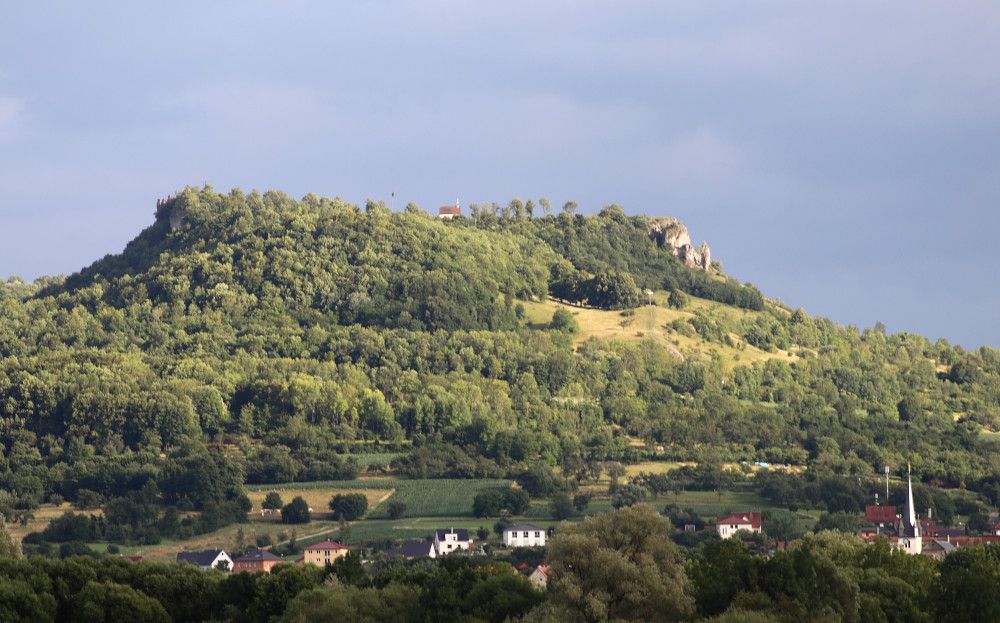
(254, 561)
(449, 212)
(732, 523)
(880, 514)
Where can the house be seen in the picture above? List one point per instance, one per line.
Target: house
(450, 212)
(414, 549)
(540, 576)
(523, 535)
(937, 549)
(207, 559)
(451, 540)
(254, 561)
(729, 525)
(324, 553)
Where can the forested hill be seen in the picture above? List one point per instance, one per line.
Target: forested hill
(269, 337)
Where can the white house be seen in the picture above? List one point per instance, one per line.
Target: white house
(524, 535)
(208, 559)
(729, 525)
(451, 540)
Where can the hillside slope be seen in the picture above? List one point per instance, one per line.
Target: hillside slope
(288, 332)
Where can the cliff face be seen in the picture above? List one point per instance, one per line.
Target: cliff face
(668, 231)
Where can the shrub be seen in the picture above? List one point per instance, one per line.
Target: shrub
(272, 501)
(349, 506)
(296, 511)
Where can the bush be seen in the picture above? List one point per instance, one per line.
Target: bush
(491, 502)
(349, 506)
(397, 508)
(296, 511)
(272, 501)
(563, 320)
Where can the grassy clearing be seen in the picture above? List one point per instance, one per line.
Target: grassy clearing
(42, 516)
(374, 459)
(656, 467)
(653, 323)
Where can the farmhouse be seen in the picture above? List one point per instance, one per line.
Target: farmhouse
(451, 540)
(257, 560)
(729, 525)
(324, 553)
(523, 535)
(207, 559)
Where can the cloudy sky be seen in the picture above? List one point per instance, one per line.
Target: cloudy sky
(844, 158)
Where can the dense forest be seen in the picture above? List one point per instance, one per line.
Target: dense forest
(252, 338)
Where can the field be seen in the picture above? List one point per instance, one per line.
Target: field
(653, 323)
(317, 498)
(41, 516)
(423, 498)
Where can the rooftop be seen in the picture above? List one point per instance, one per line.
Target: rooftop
(327, 545)
(257, 555)
(751, 518)
(201, 558)
(523, 526)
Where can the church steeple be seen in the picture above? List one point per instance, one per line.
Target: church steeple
(910, 516)
(907, 536)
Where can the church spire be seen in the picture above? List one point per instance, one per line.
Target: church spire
(911, 513)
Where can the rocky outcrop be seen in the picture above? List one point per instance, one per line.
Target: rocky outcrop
(172, 210)
(668, 231)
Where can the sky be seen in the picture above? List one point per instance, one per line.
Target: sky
(844, 157)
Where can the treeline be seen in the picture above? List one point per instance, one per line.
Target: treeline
(617, 566)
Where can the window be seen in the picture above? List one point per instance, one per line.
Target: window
(538, 534)
(525, 534)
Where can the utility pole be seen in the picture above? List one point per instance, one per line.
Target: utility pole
(886, 483)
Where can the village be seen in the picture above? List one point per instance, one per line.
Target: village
(903, 528)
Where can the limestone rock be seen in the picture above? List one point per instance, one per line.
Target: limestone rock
(668, 231)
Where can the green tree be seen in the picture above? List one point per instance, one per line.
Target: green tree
(296, 511)
(677, 299)
(110, 603)
(563, 320)
(272, 501)
(619, 565)
(349, 506)
(561, 506)
(396, 509)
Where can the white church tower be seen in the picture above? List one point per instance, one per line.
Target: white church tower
(908, 528)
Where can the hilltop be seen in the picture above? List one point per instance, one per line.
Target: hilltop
(252, 338)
